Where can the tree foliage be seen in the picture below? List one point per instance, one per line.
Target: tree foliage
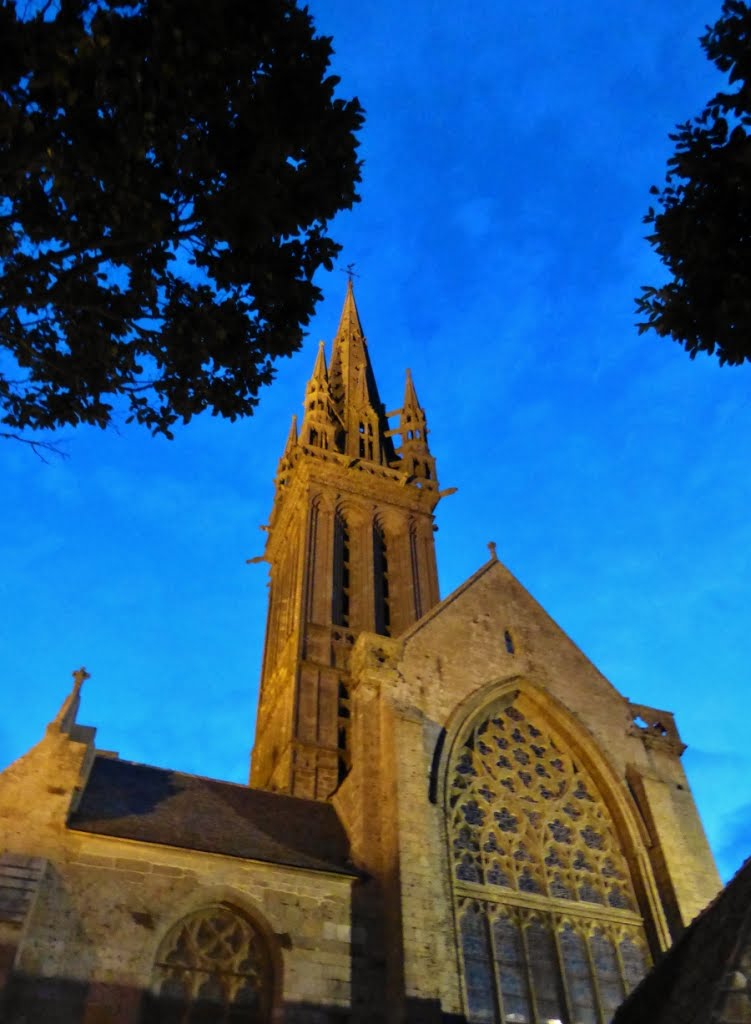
(168, 170)
(702, 228)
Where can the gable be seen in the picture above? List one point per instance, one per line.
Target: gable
(490, 630)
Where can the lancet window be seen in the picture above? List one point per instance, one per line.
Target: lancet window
(415, 565)
(340, 599)
(212, 966)
(343, 720)
(547, 921)
(381, 582)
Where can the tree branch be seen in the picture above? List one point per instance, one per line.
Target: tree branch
(102, 248)
(40, 448)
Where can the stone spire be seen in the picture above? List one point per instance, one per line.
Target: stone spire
(363, 432)
(414, 454)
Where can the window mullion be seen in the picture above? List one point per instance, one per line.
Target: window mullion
(528, 968)
(595, 980)
(619, 961)
(562, 971)
(489, 919)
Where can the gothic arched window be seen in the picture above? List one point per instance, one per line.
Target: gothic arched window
(381, 582)
(340, 595)
(547, 920)
(415, 566)
(215, 966)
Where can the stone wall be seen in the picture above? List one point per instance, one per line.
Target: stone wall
(409, 697)
(82, 916)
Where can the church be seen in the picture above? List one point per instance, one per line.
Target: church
(452, 816)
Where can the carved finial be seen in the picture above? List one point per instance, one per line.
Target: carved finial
(491, 549)
(79, 677)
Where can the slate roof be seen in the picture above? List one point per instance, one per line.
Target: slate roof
(154, 805)
(692, 982)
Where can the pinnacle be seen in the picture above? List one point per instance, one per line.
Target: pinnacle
(412, 415)
(410, 395)
(320, 373)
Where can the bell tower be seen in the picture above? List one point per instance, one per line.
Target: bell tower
(350, 548)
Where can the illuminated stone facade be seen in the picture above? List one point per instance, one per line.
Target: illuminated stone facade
(350, 550)
(453, 816)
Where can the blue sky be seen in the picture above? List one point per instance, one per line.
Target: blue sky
(509, 148)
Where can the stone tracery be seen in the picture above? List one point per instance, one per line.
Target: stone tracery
(213, 965)
(546, 911)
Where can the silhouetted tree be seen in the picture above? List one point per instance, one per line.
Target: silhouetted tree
(702, 228)
(168, 169)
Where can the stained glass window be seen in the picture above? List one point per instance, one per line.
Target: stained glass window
(511, 968)
(549, 923)
(578, 976)
(478, 975)
(543, 969)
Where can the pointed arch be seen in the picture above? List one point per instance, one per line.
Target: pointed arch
(579, 741)
(543, 852)
(216, 962)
